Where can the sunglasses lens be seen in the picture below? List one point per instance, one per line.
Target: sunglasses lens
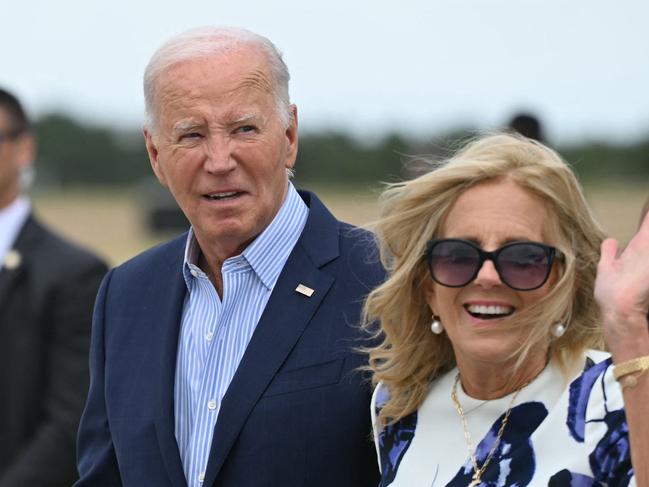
(524, 266)
(453, 263)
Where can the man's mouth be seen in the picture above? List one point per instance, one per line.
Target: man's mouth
(488, 312)
(227, 195)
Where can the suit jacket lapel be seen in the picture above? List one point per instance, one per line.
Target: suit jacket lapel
(169, 303)
(25, 242)
(8, 279)
(287, 314)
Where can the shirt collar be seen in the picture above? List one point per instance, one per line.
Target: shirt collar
(190, 262)
(267, 253)
(12, 219)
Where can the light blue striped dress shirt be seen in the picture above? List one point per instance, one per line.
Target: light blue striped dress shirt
(215, 332)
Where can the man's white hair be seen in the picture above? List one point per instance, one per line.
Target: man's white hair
(205, 42)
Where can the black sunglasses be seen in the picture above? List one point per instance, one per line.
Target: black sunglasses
(523, 266)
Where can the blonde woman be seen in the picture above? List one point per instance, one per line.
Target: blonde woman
(488, 373)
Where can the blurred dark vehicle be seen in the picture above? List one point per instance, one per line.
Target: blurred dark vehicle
(161, 212)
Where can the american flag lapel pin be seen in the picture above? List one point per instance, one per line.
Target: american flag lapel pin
(306, 290)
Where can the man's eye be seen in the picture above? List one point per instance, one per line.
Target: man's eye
(246, 128)
(190, 136)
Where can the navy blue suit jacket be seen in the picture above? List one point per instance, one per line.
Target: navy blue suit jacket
(297, 410)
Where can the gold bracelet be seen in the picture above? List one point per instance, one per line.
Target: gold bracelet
(639, 364)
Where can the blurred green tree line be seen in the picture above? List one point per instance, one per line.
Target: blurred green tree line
(72, 153)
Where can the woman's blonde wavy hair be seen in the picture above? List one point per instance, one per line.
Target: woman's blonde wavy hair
(409, 356)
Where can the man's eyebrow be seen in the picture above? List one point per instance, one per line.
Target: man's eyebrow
(244, 118)
(185, 125)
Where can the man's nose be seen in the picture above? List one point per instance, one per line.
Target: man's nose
(218, 157)
(488, 275)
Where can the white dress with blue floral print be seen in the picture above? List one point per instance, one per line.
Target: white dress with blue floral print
(559, 434)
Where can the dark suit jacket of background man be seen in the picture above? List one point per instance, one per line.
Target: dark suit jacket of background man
(296, 412)
(45, 316)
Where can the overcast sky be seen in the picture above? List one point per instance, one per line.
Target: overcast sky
(421, 66)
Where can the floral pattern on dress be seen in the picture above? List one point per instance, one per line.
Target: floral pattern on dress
(513, 462)
(566, 478)
(394, 440)
(611, 459)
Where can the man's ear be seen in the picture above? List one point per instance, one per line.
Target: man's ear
(26, 150)
(152, 150)
(291, 139)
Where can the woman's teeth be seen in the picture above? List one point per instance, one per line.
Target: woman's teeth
(489, 311)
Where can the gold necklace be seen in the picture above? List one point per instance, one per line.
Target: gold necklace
(477, 472)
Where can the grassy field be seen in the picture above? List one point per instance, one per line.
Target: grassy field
(112, 223)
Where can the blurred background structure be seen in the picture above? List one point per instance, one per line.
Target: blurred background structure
(375, 83)
(529, 125)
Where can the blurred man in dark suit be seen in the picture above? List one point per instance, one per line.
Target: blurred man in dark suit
(47, 290)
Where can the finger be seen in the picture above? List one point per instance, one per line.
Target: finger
(641, 238)
(644, 222)
(609, 251)
(643, 232)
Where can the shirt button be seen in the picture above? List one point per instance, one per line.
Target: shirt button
(211, 405)
(209, 335)
(201, 477)
(193, 273)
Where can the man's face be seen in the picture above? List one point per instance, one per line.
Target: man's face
(16, 152)
(220, 146)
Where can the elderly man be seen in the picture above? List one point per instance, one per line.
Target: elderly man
(227, 356)
(47, 290)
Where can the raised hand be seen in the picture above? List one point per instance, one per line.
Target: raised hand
(622, 292)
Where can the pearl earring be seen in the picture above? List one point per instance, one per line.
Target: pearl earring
(557, 330)
(436, 326)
